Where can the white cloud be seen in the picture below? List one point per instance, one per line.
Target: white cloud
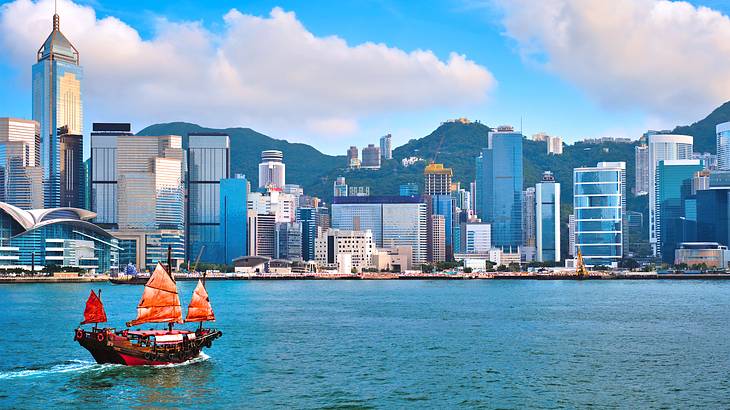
(268, 73)
(668, 58)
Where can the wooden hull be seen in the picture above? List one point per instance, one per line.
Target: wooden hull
(107, 346)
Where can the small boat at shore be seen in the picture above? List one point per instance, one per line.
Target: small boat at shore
(160, 303)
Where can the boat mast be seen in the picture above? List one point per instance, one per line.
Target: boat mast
(169, 272)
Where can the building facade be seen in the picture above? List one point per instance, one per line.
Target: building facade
(370, 157)
(663, 147)
(21, 177)
(547, 218)
(72, 172)
(333, 243)
(499, 187)
(437, 179)
(392, 220)
(386, 147)
(723, 146)
(233, 218)
(599, 203)
(272, 170)
(57, 102)
(103, 186)
(641, 175)
(207, 163)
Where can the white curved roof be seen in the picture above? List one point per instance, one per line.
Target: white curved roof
(37, 218)
(675, 138)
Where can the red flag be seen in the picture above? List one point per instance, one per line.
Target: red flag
(94, 312)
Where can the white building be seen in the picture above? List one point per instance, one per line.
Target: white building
(282, 206)
(663, 147)
(335, 242)
(477, 238)
(555, 145)
(272, 170)
(641, 177)
(723, 146)
(547, 218)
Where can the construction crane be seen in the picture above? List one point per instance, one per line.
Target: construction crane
(197, 260)
(580, 267)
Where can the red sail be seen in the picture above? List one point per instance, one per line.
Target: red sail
(160, 302)
(94, 312)
(199, 309)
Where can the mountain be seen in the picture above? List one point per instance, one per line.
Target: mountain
(703, 131)
(304, 164)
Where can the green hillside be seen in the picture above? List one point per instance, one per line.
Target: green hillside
(703, 131)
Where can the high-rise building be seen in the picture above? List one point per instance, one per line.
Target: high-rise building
(353, 161)
(208, 162)
(261, 234)
(233, 218)
(438, 242)
(529, 235)
(151, 197)
(599, 203)
(386, 147)
(437, 180)
(340, 187)
(673, 186)
(393, 220)
(288, 241)
(641, 185)
(555, 145)
(71, 154)
(21, 177)
(103, 183)
(307, 217)
(571, 235)
(547, 218)
(500, 196)
(663, 147)
(57, 103)
(272, 171)
(370, 157)
(723, 146)
(281, 205)
(700, 181)
(477, 238)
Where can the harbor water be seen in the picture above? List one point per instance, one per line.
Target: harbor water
(390, 344)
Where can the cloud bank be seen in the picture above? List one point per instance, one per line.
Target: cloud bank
(669, 58)
(269, 73)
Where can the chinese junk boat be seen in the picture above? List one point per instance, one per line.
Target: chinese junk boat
(160, 304)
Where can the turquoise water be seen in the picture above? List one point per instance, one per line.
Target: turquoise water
(391, 344)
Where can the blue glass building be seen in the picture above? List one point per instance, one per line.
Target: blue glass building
(307, 216)
(673, 187)
(233, 219)
(408, 189)
(599, 202)
(208, 162)
(499, 187)
(444, 205)
(57, 78)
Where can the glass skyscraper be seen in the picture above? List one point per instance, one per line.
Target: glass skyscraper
(499, 186)
(208, 162)
(233, 219)
(307, 216)
(599, 202)
(547, 219)
(673, 186)
(57, 78)
(723, 145)
(103, 171)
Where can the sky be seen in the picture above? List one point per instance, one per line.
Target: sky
(334, 74)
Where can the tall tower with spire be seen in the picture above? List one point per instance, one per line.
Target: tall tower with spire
(57, 106)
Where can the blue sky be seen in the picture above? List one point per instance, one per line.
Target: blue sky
(557, 101)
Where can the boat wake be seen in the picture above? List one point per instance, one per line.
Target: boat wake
(70, 366)
(78, 366)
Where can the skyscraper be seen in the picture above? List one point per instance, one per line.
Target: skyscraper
(599, 203)
(723, 145)
(386, 147)
(340, 187)
(71, 155)
(233, 218)
(437, 180)
(529, 236)
(673, 186)
(641, 185)
(663, 147)
(501, 192)
(272, 171)
(353, 161)
(21, 177)
(207, 163)
(57, 102)
(307, 216)
(370, 157)
(547, 219)
(103, 171)
(555, 145)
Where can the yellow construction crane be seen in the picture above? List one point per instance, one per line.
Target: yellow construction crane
(580, 267)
